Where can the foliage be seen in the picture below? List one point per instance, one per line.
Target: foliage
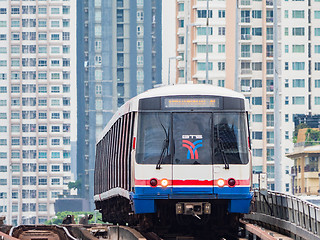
(57, 220)
(75, 185)
(296, 130)
(313, 136)
(300, 126)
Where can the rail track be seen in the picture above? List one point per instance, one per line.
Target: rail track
(114, 232)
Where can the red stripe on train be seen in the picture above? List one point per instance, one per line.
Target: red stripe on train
(192, 182)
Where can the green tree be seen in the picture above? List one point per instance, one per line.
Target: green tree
(296, 130)
(75, 185)
(313, 136)
(57, 220)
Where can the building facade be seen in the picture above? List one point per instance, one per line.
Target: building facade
(305, 172)
(122, 58)
(241, 56)
(37, 107)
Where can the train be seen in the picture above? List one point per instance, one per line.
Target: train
(176, 155)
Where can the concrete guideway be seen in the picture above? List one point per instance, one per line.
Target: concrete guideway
(124, 233)
(286, 214)
(256, 232)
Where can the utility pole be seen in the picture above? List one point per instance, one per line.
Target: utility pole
(277, 118)
(207, 47)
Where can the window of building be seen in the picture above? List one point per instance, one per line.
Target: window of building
(245, 16)
(286, 117)
(257, 152)
(42, 181)
(256, 100)
(256, 135)
(66, 36)
(270, 137)
(298, 65)
(202, 31)
(256, 48)
(297, 100)
(139, 16)
(203, 48)
(221, 31)
(297, 13)
(298, 83)
(256, 83)
(298, 31)
(256, 66)
(298, 48)
(222, 13)
(256, 117)
(256, 13)
(221, 66)
(257, 31)
(55, 181)
(203, 13)
(221, 48)
(286, 135)
(42, 49)
(202, 66)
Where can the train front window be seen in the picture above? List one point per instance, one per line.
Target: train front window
(154, 138)
(192, 138)
(230, 139)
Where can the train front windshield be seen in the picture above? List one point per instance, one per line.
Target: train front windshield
(192, 138)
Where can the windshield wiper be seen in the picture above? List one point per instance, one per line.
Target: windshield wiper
(162, 156)
(223, 154)
(165, 146)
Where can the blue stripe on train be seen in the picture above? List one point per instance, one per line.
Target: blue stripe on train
(170, 192)
(143, 198)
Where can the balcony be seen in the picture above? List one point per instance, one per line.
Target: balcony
(269, 19)
(246, 71)
(245, 2)
(269, 53)
(245, 88)
(270, 88)
(245, 54)
(269, 2)
(306, 144)
(245, 19)
(311, 168)
(270, 105)
(245, 37)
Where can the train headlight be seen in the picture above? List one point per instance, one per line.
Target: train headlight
(153, 182)
(164, 182)
(220, 182)
(231, 182)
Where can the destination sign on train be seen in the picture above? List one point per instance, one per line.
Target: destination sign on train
(192, 102)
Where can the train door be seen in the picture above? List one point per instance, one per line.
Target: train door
(192, 157)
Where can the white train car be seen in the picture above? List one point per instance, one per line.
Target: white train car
(176, 153)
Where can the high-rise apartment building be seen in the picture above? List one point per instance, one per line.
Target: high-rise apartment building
(122, 56)
(37, 107)
(241, 56)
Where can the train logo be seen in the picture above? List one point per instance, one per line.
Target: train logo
(192, 146)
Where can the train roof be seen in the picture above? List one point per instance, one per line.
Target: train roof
(189, 89)
(170, 90)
